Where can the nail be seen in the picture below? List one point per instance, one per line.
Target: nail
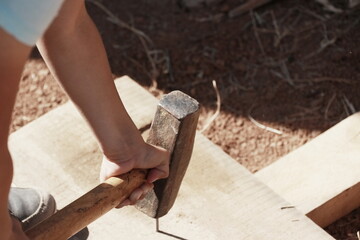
(147, 188)
(137, 195)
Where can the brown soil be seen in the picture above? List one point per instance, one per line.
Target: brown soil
(289, 65)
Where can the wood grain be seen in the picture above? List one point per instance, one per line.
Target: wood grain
(322, 177)
(218, 199)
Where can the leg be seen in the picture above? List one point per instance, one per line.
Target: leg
(13, 55)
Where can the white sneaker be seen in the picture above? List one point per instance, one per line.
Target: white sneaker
(30, 205)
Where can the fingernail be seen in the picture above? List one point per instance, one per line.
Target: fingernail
(154, 180)
(124, 204)
(147, 188)
(137, 197)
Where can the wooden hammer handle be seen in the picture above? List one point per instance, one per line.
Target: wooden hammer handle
(80, 213)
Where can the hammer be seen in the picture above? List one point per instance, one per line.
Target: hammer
(173, 128)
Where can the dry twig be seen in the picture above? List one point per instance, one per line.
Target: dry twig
(144, 39)
(218, 106)
(328, 105)
(331, 79)
(348, 106)
(311, 13)
(256, 123)
(323, 45)
(324, 79)
(345, 108)
(279, 35)
(154, 72)
(328, 6)
(232, 85)
(114, 19)
(256, 33)
(248, 6)
(140, 66)
(304, 113)
(326, 42)
(286, 73)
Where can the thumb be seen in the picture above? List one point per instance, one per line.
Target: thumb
(156, 174)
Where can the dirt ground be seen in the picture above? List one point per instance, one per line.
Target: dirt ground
(290, 65)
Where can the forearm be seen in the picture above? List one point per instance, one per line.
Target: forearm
(78, 60)
(73, 50)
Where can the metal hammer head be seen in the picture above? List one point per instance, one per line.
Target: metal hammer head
(173, 128)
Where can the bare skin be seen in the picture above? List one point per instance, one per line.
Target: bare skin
(73, 51)
(13, 55)
(85, 75)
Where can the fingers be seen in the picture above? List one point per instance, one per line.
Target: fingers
(137, 195)
(140, 193)
(150, 157)
(162, 170)
(157, 173)
(157, 160)
(124, 203)
(154, 158)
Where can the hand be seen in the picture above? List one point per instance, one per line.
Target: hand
(145, 156)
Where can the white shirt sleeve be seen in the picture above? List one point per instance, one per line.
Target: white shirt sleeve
(27, 20)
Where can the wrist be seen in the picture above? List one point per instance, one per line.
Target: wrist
(117, 162)
(118, 135)
(124, 146)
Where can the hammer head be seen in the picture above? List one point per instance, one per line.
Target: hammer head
(173, 128)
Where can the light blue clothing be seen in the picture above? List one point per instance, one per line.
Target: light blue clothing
(27, 20)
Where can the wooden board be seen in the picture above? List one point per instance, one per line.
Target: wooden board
(219, 199)
(322, 177)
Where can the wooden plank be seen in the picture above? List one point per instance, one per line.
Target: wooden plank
(322, 177)
(219, 199)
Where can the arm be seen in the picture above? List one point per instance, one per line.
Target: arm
(73, 50)
(13, 55)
